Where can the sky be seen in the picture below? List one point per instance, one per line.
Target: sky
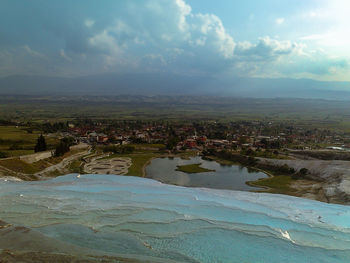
(251, 38)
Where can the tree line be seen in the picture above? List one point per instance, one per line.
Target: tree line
(61, 148)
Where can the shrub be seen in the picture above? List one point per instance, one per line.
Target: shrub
(303, 171)
(63, 147)
(119, 149)
(3, 155)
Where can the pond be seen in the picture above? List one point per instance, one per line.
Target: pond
(231, 177)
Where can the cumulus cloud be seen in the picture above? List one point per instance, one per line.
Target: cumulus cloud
(143, 35)
(266, 49)
(208, 30)
(160, 28)
(179, 28)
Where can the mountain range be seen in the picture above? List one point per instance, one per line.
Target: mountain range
(172, 84)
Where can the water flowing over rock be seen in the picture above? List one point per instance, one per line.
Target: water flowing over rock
(138, 218)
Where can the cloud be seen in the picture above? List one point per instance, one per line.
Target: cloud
(63, 55)
(202, 38)
(266, 49)
(33, 53)
(279, 21)
(326, 25)
(319, 66)
(89, 22)
(104, 42)
(139, 36)
(208, 30)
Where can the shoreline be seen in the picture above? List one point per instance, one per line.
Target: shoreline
(309, 188)
(304, 188)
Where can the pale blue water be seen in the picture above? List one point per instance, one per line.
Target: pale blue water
(232, 177)
(128, 215)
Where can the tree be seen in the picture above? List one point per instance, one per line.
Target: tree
(303, 172)
(40, 144)
(172, 142)
(64, 146)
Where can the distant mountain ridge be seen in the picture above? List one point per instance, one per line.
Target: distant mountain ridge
(171, 84)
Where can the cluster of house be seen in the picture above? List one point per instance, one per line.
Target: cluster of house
(242, 135)
(121, 137)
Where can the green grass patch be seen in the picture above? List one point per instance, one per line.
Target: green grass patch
(139, 161)
(193, 168)
(15, 153)
(17, 141)
(20, 166)
(75, 167)
(14, 133)
(153, 146)
(276, 184)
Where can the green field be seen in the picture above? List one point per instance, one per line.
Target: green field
(311, 113)
(139, 163)
(193, 168)
(18, 166)
(16, 141)
(276, 184)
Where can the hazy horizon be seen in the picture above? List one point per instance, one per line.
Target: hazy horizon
(154, 84)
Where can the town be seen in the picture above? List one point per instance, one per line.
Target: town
(290, 153)
(177, 136)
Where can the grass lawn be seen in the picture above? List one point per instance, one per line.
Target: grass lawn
(276, 184)
(14, 133)
(75, 167)
(19, 166)
(193, 168)
(139, 163)
(16, 141)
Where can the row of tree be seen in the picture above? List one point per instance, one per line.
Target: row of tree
(61, 148)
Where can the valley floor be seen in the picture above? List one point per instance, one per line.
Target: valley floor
(328, 181)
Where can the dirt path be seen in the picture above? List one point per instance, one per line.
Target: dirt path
(62, 165)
